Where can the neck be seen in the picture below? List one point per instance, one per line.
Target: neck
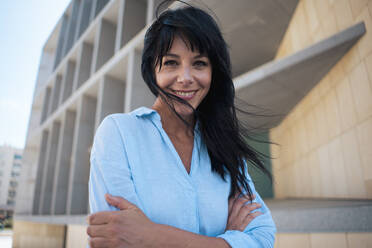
(171, 123)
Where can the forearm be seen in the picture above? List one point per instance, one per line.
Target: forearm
(168, 236)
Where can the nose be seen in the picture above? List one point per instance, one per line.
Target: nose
(185, 76)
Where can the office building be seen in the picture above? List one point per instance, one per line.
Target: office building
(10, 170)
(307, 63)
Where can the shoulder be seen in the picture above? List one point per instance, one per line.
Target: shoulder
(126, 120)
(125, 123)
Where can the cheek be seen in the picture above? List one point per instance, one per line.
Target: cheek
(161, 79)
(205, 79)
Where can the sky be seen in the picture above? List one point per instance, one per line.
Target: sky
(25, 26)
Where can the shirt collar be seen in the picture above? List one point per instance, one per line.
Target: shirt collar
(143, 111)
(146, 112)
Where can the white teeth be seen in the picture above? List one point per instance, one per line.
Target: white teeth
(185, 93)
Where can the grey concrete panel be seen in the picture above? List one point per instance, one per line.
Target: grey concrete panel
(105, 44)
(53, 219)
(93, 10)
(151, 9)
(40, 172)
(79, 173)
(111, 98)
(61, 41)
(46, 103)
(119, 25)
(50, 165)
(71, 29)
(79, 20)
(56, 92)
(253, 29)
(63, 164)
(83, 65)
(321, 215)
(68, 80)
(137, 93)
(290, 215)
(99, 6)
(133, 20)
(289, 79)
(84, 16)
(288, 5)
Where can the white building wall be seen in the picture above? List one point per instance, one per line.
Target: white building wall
(89, 68)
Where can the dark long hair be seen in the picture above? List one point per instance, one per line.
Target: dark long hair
(225, 137)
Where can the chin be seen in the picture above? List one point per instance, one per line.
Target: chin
(183, 110)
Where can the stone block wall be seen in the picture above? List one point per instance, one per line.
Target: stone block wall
(325, 142)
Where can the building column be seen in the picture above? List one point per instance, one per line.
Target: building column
(84, 17)
(47, 185)
(131, 20)
(63, 164)
(151, 9)
(110, 98)
(46, 103)
(40, 172)
(97, 6)
(104, 44)
(71, 29)
(68, 81)
(79, 174)
(56, 92)
(61, 41)
(83, 64)
(137, 93)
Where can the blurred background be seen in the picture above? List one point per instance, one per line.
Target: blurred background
(306, 65)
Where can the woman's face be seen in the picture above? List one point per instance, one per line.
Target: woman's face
(186, 74)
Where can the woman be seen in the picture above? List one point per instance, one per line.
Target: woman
(175, 174)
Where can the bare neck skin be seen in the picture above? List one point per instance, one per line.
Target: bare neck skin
(171, 123)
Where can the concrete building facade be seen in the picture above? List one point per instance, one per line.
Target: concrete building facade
(307, 62)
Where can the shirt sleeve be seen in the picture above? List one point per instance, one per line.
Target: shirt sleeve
(109, 168)
(259, 233)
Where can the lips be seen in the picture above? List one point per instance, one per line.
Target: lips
(186, 95)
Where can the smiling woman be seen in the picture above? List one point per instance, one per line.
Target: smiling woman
(175, 174)
(184, 73)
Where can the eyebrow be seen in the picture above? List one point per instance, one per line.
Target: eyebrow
(177, 56)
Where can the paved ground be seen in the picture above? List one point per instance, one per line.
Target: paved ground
(6, 239)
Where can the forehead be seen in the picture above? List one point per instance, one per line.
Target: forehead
(180, 45)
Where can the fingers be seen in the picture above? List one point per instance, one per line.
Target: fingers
(100, 218)
(236, 208)
(119, 202)
(100, 243)
(97, 231)
(250, 217)
(252, 197)
(248, 208)
(238, 204)
(241, 212)
(232, 201)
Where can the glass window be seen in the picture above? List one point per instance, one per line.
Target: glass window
(17, 156)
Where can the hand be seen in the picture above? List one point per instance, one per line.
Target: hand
(240, 214)
(128, 227)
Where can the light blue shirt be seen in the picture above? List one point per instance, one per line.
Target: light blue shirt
(133, 157)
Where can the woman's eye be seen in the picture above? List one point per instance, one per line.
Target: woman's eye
(170, 63)
(200, 63)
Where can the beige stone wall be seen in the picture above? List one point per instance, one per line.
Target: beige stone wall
(76, 236)
(326, 240)
(38, 235)
(326, 141)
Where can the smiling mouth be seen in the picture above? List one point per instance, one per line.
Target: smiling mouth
(187, 95)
